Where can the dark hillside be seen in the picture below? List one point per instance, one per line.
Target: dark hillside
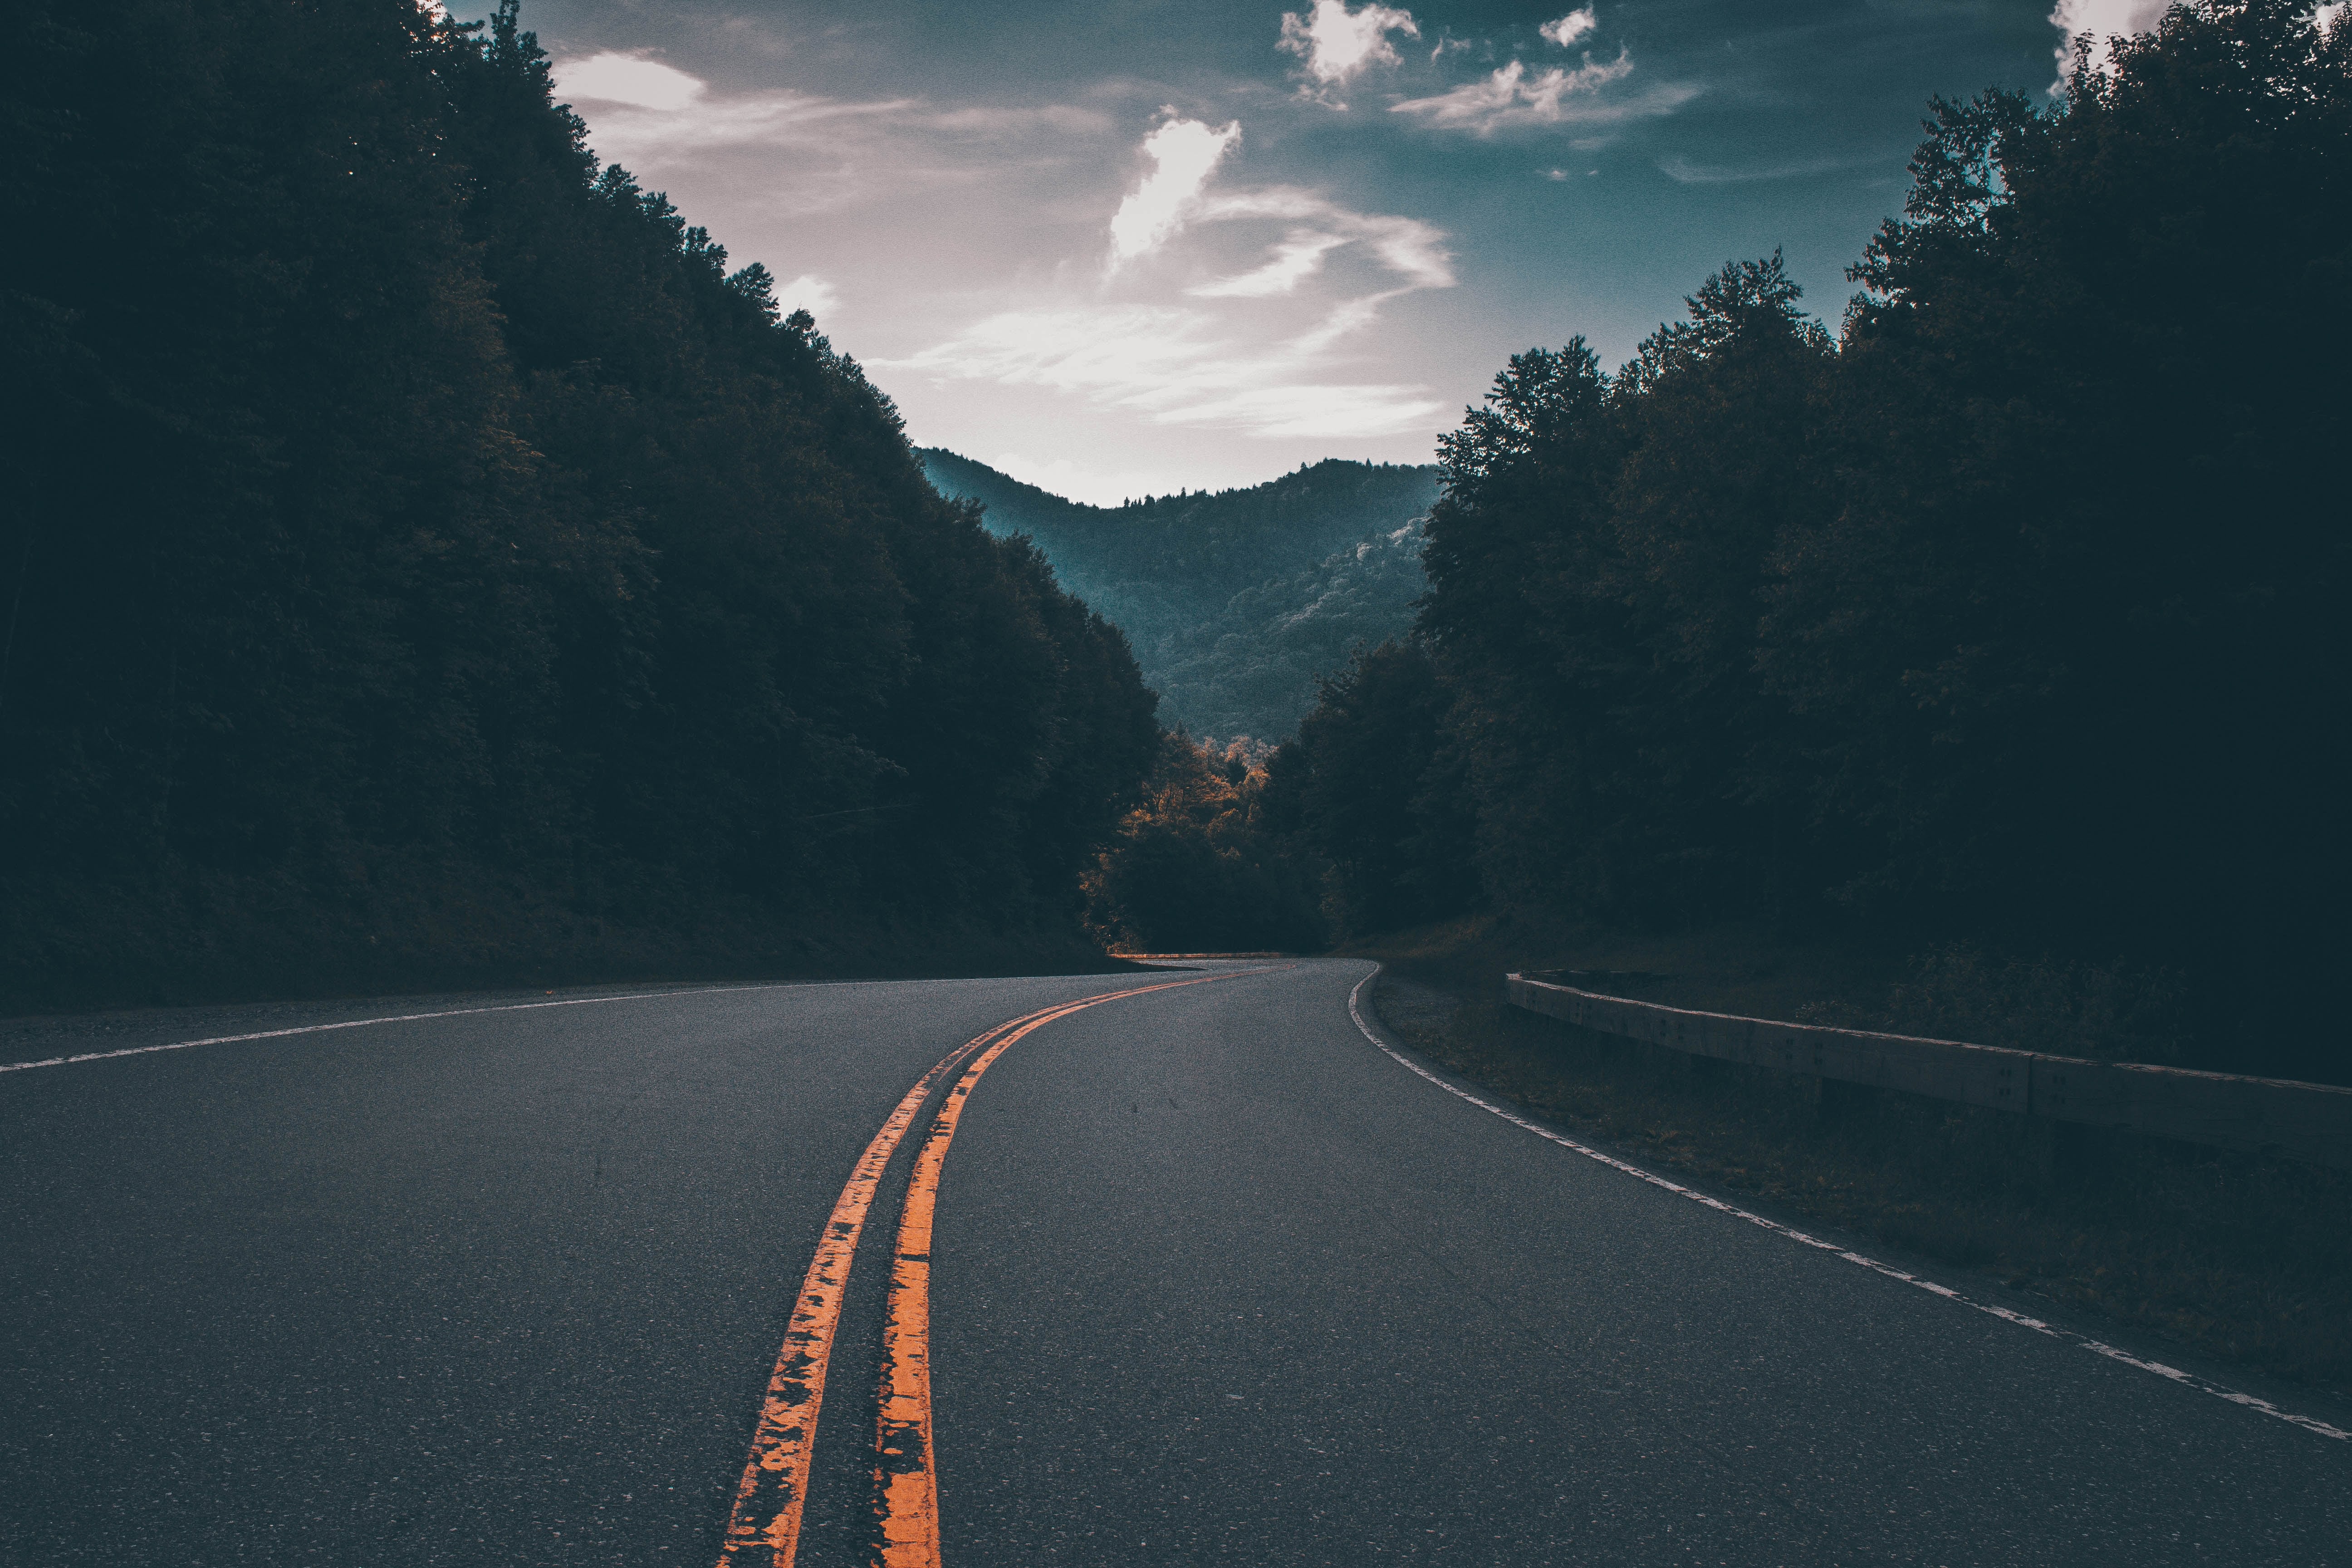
(1235, 601)
(426, 561)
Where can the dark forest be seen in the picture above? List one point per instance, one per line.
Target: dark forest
(425, 560)
(2006, 622)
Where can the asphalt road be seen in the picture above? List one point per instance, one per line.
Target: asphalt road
(1212, 1279)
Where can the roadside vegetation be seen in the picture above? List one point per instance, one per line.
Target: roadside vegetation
(1193, 868)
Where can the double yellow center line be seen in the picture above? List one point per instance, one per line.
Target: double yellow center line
(763, 1528)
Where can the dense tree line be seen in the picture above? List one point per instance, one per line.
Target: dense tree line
(1234, 600)
(420, 543)
(2012, 613)
(1197, 865)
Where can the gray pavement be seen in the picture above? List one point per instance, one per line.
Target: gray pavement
(1213, 1281)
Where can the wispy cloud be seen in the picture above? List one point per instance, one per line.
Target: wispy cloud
(635, 133)
(1170, 367)
(1682, 171)
(1295, 259)
(1571, 27)
(630, 78)
(1511, 98)
(1199, 365)
(1403, 245)
(1183, 154)
(1337, 45)
(652, 116)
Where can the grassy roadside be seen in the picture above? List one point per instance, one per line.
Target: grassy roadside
(2242, 1258)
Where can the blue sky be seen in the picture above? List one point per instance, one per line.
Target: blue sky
(1138, 247)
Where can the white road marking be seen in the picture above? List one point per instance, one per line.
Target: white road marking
(2173, 1373)
(391, 1018)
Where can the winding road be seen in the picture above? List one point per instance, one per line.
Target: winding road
(1182, 1267)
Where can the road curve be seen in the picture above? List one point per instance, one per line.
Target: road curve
(1196, 1274)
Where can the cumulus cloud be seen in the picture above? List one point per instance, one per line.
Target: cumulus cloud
(1337, 45)
(1571, 27)
(631, 79)
(1184, 153)
(1511, 97)
(2103, 20)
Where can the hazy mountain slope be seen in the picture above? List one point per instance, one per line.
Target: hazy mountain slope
(1234, 602)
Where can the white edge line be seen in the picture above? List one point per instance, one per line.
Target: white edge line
(391, 1018)
(2172, 1375)
(448, 1012)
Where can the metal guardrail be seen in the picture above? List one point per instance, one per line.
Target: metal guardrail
(2259, 1115)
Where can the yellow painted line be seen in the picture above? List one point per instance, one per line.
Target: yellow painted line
(906, 1476)
(763, 1527)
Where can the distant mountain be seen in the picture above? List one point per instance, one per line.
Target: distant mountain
(1236, 601)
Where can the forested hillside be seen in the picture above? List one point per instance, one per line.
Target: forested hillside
(425, 559)
(2006, 622)
(1236, 601)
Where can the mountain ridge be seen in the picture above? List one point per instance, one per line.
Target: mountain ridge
(1234, 600)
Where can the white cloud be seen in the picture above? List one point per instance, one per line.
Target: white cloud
(1166, 365)
(2324, 16)
(1337, 45)
(1297, 259)
(1403, 245)
(1260, 351)
(1511, 97)
(827, 152)
(1327, 413)
(1184, 153)
(1571, 27)
(2102, 19)
(632, 79)
(643, 111)
(808, 293)
(1347, 317)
